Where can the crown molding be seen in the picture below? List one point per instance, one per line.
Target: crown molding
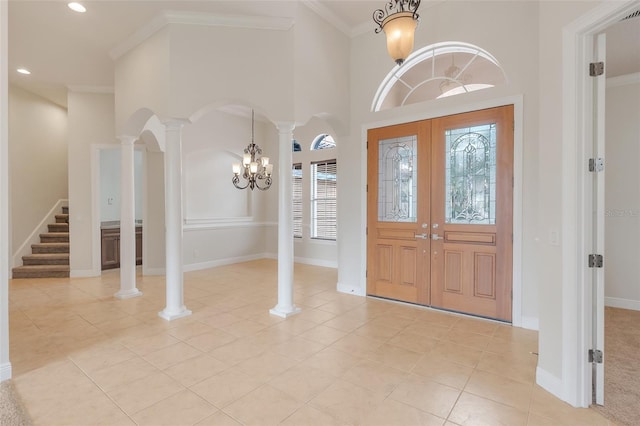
(91, 89)
(198, 18)
(328, 16)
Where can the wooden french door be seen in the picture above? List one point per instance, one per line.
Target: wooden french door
(439, 223)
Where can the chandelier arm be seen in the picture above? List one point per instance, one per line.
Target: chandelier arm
(236, 180)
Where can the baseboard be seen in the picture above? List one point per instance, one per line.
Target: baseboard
(222, 262)
(317, 262)
(83, 273)
(5, 371)
(348, 289)
(616, 302)
(530, 323)
(549, 382)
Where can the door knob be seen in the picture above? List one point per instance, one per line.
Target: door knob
(421, 236)
(436, 237)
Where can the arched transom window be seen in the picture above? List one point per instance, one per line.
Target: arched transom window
(437, 71)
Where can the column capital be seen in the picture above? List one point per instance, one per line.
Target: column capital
(127, 139)
(175, 123)
(285, 126)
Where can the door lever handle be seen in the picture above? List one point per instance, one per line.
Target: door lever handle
(436, 237)
(421, 236)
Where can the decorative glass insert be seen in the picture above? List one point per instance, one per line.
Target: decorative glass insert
(471, 175)
(398, 179)
(324, 141)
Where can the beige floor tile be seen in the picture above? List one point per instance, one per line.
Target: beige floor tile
(345, 323)
(219, 419)
(298, 348)
(544, 404)
(220, 320)
(211, 340)
(135, 396)
(171, 355)
(196, 369)
(377, 331)
(466, 338)
(500, 389)
(316, 315)
(476, 325)
(226, 387)
(263, 406)
(127, 371)
(332, 361)
(100, 356)
(347, 402)
(356, 345)
(413, 342)
(375, 376)
(516, 367)
(426, 395)
(392, 412)
(443, 371)
(266, 366)
(457, 353)
(238, 351)
(302, 382)
(472, 410)
(395, 357)
(183, 408)
(323, 334)
(118, 324)
(189, 330)
(294, 325)
(243, 328)
(149, 344)
(425, 329)
(309, 416)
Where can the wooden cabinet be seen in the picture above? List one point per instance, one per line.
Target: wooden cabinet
(111, 247)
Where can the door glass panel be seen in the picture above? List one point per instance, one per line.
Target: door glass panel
(397, 179)
(471, 175)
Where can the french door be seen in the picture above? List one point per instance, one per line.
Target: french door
(439, 222)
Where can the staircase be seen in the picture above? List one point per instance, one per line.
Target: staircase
(49, 258)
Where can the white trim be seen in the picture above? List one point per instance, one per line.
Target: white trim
(233, 223)
(623, 80)
(222, 262)
(316, 262)
(198, 18)
(350, 289)
(5, 371)
(577, 130)
(327, 14)
(34, 237)
(84, 273)
(530, 323)
(433, 110)
(548, 381)
(617, 302)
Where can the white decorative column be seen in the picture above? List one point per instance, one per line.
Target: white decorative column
(127, 221)
(285, 306)
(173, 221)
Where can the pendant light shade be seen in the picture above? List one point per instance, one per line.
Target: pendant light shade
(398, 21)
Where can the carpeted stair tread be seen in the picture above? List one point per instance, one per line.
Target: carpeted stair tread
(58, 227)
(51, 237)
(41, 271)
(62, 218)
(46, 259)
(40, 248)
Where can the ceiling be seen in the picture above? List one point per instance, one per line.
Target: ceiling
(65, 49)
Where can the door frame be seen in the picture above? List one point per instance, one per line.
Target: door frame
(577, 137)
(429, 112)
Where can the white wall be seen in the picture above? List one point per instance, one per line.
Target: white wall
(38, 169)
(153, 236)
(622, 192)
(110, 184)
(91, 121)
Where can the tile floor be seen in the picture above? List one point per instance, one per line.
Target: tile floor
(81, 357)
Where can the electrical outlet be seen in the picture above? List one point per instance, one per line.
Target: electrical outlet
(554, 238)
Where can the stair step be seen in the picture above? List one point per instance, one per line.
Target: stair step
(62, 218)
(55, 237)
(46, 259)
(58, 227)
(50, 248)
(41, 271)
(65, 210)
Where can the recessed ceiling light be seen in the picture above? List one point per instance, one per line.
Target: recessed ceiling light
(77, 7)
(23, 71)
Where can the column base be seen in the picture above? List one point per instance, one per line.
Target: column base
(170, 316)
(127, 294)
(284, 312)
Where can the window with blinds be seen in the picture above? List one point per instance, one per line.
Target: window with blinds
(323, 199)
(297, 200)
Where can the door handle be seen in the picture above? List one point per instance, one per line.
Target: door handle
(421, 236)
(436, 237)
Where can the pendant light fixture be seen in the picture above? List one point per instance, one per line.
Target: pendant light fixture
(255, 171)
(398, 20)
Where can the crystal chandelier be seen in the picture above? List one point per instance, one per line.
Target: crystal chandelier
(255, 171)
(398, 20)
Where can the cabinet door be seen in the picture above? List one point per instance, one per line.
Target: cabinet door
(110, 248)
(139, 245)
